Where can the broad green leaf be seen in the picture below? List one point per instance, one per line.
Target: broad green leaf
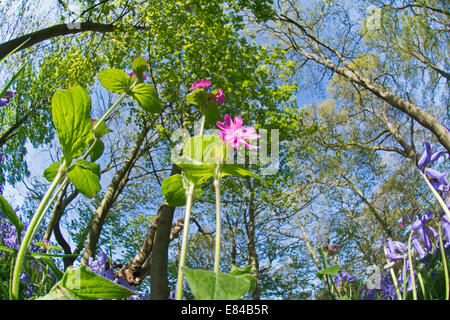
(9, 213)
(207, 285)
(71, 114)
(331, 271)
(244, 273)
(97, 150)
(237, 170)
(197, 97)
(115, 80)
(101, 129)
(85, 176)
(139, 65)
(84, 284)
(173, 189)
(51, 172)
(146, 96)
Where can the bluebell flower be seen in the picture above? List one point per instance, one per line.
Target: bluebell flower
(343, 275)
(30, 290)
(428, 156)
(395, 250)
(438, 180)
(25, 278)
(445, 223)
(368, 294)
(425, 232)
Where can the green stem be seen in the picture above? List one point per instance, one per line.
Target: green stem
(31, 232)
(422, 286)
(202, 125)
(411, 269)
(217, 249)
(107, 113)
(444, 264)
(187, 217)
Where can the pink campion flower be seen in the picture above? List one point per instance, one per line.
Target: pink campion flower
(235, 134)
(132, 74)
(220, 97)
(201, 84)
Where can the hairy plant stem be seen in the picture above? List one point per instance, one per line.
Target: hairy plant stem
(187, 216)
(444, 264)
(217, 249)
(34, 223)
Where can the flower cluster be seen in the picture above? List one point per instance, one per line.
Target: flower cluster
(102, 267)
(4, 100)
(437, 179)
(202, 84)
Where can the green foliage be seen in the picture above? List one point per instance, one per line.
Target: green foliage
(9, 213)
(115, 80)
(146, 96)
(84, 284)
(71, 114)
(208, 285)
(85, 176)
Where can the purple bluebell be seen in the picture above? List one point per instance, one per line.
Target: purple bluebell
(30, 290)
(445, 223)
(439, 180)
(368, 294)
(395, 250)
(343, 275)
(428, 156)
(3, 102)
(25, 278)
(425, 232)
(11, 238)
(420, 251)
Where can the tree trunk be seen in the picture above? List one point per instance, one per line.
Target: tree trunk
(251, 243)
(159, 284)
(114, 189)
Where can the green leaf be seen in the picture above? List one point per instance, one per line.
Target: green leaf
(244, 273)
(202, 150)
(84, 284)
(14, 77)
(139, 66)
(146, 96)
(207, 285)
(97, 150)
(331, 271)
(85, 176)
(101, 129)
(197, 97)
(173, 189)
(10, 214)
(51, 172)
(71, 114)
(237, 170)
(115, 80)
